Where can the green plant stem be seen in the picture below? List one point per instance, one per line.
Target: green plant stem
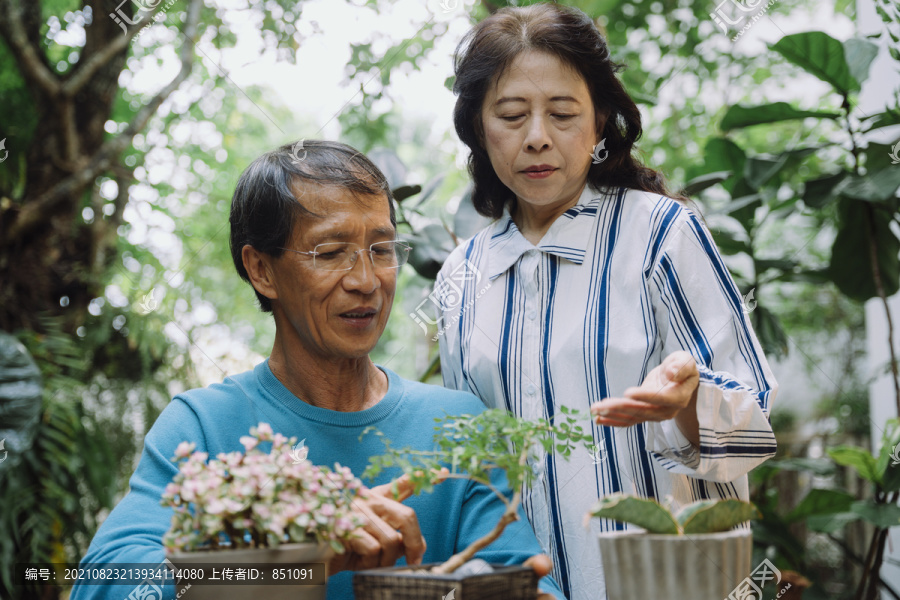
(509, 515)
(460, 558)
(432, 368)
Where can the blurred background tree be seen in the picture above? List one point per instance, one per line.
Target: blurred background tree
(126, 128)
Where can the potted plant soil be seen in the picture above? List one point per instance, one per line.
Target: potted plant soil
(691, 555)
(470, 447)
(257, 508)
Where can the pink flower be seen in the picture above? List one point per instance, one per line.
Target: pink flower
(184, 449)
(248, 442)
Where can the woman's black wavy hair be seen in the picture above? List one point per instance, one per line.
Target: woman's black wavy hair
(570, 35)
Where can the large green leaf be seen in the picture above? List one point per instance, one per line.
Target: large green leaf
(859, 54)
(860, 459)
(875, 186)
(820, 192)
(851, 265)
(745, 116)
(880, 515)
(431, 246)
(821, 502)
(467, 222)
(821, 55)
(642, 512)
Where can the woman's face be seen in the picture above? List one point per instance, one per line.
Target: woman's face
(540, 129)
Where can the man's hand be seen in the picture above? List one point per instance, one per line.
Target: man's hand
(391, 530)
(669, 391)
(542, 565)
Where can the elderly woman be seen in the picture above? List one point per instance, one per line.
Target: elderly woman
(594, 288)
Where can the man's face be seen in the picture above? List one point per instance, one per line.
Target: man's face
(335, 314)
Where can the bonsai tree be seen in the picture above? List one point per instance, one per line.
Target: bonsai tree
(472, 447)
(255, 499)
(705, 516)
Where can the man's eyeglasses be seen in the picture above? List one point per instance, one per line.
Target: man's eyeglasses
(341, 256)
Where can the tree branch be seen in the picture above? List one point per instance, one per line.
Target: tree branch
(84, 71)
(35, 70)
(33, 213)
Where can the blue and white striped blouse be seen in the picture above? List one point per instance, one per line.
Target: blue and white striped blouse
(619, 281)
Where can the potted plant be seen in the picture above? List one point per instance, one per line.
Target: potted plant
(692, 554)
(470, 447)
(257, 508)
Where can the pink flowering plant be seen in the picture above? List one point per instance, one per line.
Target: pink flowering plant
(255, 499)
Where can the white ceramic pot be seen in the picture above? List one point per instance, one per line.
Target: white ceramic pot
(705, 566)
(279, 559)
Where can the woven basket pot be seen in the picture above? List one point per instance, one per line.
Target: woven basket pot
(416, 583)
(264, 560)
(705, 566)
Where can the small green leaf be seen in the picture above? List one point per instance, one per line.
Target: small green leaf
(717, 516)
(405, 191)
(860, 459)
(645, 513)
(745, 116)
(728, 243)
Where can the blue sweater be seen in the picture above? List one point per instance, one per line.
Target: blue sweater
(451, 517)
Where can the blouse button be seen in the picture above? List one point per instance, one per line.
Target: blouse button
(530, 390)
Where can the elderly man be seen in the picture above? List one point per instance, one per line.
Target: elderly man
(316, 240)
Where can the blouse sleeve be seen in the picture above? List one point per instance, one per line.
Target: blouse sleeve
(699, 309)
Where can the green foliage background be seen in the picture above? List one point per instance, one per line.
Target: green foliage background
(786, 187)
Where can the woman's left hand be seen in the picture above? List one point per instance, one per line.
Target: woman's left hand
(669, 391)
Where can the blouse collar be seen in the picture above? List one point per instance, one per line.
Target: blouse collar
(567, 237)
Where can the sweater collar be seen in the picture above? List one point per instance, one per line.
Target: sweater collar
(568, 236)
(270, 384)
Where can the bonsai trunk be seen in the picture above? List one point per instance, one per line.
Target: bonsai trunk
(460, 558)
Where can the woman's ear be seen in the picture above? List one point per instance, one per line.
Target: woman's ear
(259, 271)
